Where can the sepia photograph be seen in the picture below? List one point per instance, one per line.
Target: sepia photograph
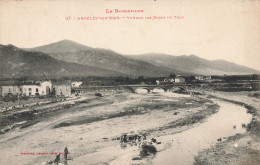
(130, 82)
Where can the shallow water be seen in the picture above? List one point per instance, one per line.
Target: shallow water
(182, 147)
(179, 148)
(171, 94)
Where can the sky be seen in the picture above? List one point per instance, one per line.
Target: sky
(223, 29)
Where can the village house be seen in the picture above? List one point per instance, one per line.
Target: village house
(202, 78)
(158, 82)
(165, 81)
(28, 89)
(62, 88)
(169, 80)
(37, 89)
(31, 90)
(199, 77)
(76, 84)
(179, 79)
(11, 89)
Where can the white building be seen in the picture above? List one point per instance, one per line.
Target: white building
(179, 79)
(207, 77)
(42, 89)
(172, 80)
(200, 78)
(168, 80)
(11, 89)
(62, 88)
(203, 78)
(76, 84)
(28, 89)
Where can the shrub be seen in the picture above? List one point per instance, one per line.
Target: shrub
(41, 97)
(98, 94)
(24, 97)
(147, 149)
(10, 97)
(254, 127)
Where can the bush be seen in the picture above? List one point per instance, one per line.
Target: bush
(41, 97)
(147, 149)
(256, 95)
(98, 94)
(254, 127)
(10, 97)
(24, 97)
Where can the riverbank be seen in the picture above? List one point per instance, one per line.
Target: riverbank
(242, 149)
(91, 128)
(162, 115)
(30, 115)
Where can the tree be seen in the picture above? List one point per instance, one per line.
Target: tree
(172, 75)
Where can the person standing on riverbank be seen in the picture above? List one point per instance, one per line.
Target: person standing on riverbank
(66, 152)
(57, 160)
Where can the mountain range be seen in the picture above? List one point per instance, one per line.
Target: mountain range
(15, 62)
(194, 64)
(68, 58)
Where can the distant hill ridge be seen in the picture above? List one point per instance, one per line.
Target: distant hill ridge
(59, 47)
(102, 57)
(70, 58)
(15, 62)
(195, 64)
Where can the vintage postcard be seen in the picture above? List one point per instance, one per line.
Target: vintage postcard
(123, 82)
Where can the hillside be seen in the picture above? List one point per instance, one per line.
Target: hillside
(194, 64)
(103, 58)
(149, 65)
(15, 62)
(59, 47)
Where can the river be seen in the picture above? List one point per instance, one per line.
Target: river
(92, 143)
(185, 145)
(181, 148)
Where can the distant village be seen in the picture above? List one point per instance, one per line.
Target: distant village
(65, 88)
(40, 88)
(182, 79)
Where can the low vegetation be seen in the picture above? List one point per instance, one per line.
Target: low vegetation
(147, 149)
